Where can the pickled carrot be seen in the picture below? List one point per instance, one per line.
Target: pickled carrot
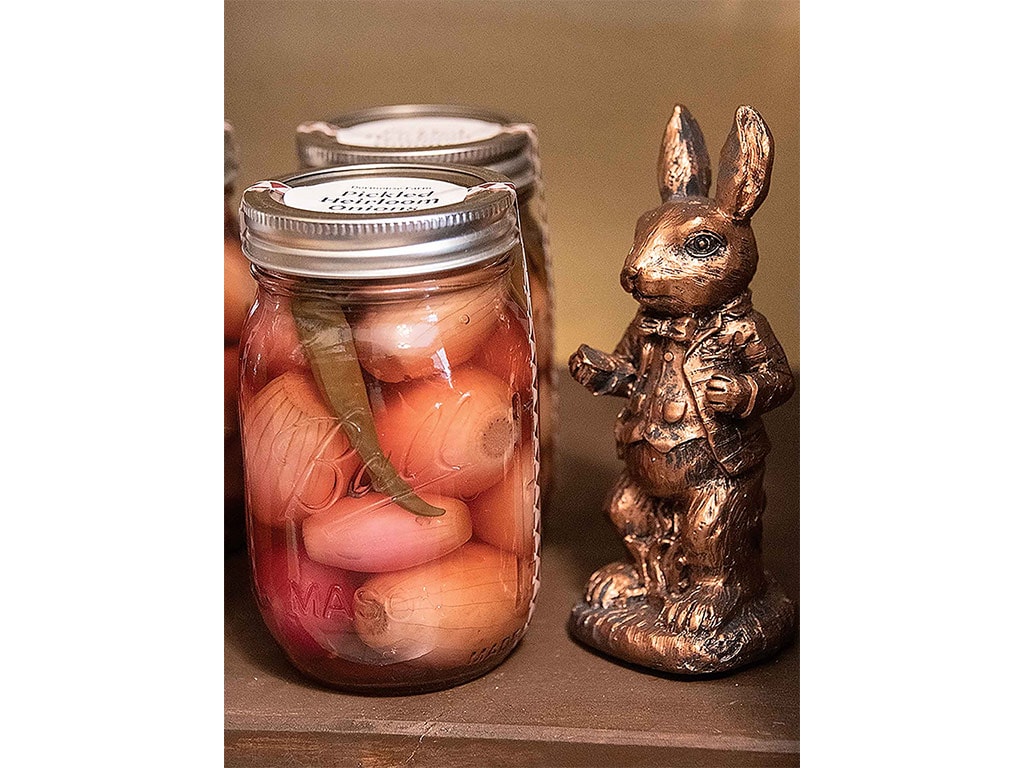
(272, 345)
(373, 534)
(415, 339)
(505, 514)
(450, 436)
(327, 338)
(297, 458)
(451, 612)
(507, 353)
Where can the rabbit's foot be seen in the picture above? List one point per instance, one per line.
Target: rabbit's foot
(614, 583)
(676, 610)
(702, 608)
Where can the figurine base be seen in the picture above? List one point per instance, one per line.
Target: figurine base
(632, 631)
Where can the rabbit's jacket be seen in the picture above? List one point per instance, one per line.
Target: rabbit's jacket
(674, 359)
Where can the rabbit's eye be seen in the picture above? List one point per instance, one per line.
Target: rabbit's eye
(701, 245)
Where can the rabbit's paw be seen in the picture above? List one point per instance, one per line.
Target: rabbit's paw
(614, 583)
(601, 373)
(701, 609)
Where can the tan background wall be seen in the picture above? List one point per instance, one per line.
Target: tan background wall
(599, 79)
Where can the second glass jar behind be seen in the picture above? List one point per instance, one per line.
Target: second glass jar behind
(459, 134)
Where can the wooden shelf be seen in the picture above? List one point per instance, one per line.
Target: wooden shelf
(553, 702)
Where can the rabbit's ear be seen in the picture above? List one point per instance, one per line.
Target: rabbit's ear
(745, 168)
(684, 168)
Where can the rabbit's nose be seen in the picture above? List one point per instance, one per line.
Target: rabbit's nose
(628, 277)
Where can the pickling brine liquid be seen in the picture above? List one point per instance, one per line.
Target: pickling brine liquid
(390, 445)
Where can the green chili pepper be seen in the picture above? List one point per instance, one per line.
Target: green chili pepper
(327, 339)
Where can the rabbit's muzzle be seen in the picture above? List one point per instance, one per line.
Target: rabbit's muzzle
(642, 268)
(644, 276)
(628, 277)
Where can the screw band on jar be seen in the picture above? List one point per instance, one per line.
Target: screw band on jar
(378, 221)
(438, 134)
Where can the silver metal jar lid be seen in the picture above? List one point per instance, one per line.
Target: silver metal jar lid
(379, 221)
(440, 134)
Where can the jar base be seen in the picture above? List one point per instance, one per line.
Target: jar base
(405, 687)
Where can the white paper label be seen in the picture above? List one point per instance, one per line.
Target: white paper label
(408, 132)
(382, 194)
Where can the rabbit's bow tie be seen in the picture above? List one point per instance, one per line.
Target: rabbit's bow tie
(679, 329)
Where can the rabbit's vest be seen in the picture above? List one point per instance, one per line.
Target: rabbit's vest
(675, 358)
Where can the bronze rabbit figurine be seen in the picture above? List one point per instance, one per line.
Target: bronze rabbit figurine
(698, 367)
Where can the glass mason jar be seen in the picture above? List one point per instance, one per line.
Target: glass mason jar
(389, 428)
(239, 290)
(443, 134)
